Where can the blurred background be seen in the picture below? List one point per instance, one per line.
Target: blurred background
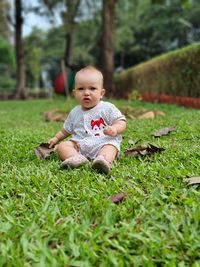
(44, 42)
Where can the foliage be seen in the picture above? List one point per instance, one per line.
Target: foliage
(53, 44)
(53, 51)
(175, 73)
(7, 83)
(7, 66)
(5, 30)
(7, 55)
(55, 217)
(86, 42)
(33, 55)
(144, 30)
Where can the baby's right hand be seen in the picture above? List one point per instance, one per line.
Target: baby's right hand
(52, 142)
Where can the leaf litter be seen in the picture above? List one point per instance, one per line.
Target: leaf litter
(143, 150)
(164, 131)
(129, 112)
(117, 198)
(193, 180)
(43, 151)
(55, 115)
(136, 113)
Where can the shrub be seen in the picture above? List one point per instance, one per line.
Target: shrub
(7, 84)
(175, 73)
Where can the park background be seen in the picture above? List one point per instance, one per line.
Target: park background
(112, 35)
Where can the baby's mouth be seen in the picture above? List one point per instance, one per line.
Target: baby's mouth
(86, 99)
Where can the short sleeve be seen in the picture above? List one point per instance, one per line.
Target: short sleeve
(114, 114)
(68, 123)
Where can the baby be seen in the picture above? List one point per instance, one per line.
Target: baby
(95, 125)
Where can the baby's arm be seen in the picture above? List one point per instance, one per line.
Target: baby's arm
(62, 134)
(116, 128)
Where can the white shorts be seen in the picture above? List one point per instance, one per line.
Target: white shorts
(90, 147)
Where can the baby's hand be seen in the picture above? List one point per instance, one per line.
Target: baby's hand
(110, 130)
(52, 142)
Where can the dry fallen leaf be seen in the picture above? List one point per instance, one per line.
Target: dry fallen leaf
(141, 113)
(55, 115)
(117, 198)
(193, 181)
(147, 115)
(143, 150)
(164, 131)
(43, 151)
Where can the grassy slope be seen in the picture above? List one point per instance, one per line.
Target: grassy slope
(55, 217)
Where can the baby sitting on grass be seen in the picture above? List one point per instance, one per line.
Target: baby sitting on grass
(95, 125)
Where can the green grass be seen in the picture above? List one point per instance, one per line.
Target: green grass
(55, 217)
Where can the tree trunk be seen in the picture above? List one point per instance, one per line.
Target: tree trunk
(107, 45)
(72, 8)
(20, 87)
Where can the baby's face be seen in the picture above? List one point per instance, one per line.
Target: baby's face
(88, 88)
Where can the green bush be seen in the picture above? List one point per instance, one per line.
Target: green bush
(7, 54)
(7, 84)
(174, 73)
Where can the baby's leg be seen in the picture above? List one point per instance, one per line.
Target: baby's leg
(109, 152)
(103, 162)
(67, 149)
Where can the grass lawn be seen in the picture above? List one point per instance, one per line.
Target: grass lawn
(55, 217)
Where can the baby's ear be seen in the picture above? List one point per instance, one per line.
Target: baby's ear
(73, 91)
(103, 91)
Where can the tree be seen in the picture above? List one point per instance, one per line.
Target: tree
(33, 52)
(74, 12)
(142, 29)
(126, 15)
(69, 23)
(21, 79)
(68, 17)
(107, 44)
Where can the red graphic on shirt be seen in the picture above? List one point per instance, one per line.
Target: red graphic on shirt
(98, 126)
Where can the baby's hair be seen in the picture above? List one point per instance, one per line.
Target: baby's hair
(90, 68)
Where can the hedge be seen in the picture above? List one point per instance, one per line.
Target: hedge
(176, 73)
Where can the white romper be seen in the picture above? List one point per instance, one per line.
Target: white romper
(86, 127)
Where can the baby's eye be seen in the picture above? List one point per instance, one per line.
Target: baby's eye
(80, 89)
(93, 88)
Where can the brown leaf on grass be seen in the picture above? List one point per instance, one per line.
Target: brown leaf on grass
(147, 115)
(143, 150)
(193, 181)
(141, 113)
(55, 115)
(159, 113)
(117, 198)
(164, 131)
(43, 151)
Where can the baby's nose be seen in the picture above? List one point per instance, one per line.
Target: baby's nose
(87, 91)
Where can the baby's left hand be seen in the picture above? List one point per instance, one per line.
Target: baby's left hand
(110, 130)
